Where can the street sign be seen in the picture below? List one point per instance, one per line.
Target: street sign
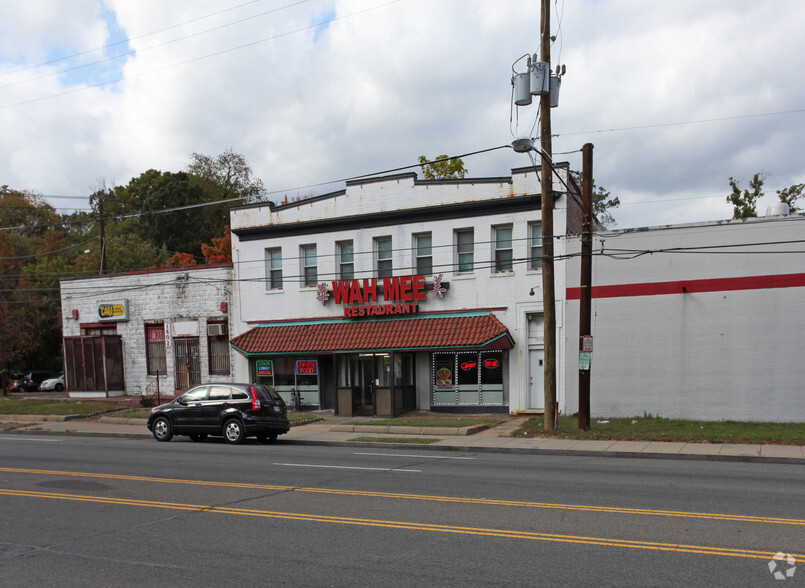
(587, 343)
(585, 357)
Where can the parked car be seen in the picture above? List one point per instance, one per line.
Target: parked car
(14, 382)
(56, 383)
(31, 380)
(232, 411)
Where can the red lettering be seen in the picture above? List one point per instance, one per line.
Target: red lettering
(391, 289)
(369, 290)
(341, 291)
(405, 288)
(419, 288)
(469, 365)
(355, 294)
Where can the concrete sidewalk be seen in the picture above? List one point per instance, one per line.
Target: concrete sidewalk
(332, 431)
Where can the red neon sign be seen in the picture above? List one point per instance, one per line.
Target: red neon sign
(469, 365)
(491, 363)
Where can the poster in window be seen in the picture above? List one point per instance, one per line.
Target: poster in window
(444, 372)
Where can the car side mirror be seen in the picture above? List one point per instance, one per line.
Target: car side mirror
(181, 401)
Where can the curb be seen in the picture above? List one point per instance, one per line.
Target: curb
(406, 430)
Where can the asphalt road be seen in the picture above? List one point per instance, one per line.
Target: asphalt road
(85, 511)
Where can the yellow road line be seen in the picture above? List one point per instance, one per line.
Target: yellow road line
(410, 526)
(425, 497)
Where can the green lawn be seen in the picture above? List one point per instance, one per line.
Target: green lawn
(660, 429)
(55, 407)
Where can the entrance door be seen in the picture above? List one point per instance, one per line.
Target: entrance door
(363, 378)
(187, 366)
(536, 379)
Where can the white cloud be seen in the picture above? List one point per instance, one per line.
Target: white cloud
(383, 83)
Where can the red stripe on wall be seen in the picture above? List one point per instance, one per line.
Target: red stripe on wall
(693, 286)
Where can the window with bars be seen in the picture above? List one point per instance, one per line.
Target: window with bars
(503, 249)
(155, 349)
(218, 350)
(346, 260)
(309, 265)
(465, 250)
(274, 269)
(423, 253)
(383, 262)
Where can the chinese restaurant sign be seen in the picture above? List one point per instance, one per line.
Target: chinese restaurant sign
(307, 367)
(400, 295)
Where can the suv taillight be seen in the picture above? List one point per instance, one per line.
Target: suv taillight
(255, 401)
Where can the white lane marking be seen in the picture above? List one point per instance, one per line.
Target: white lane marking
(413, 456)
(19, 438)
(308, 465)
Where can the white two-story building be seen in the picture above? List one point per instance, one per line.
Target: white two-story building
(397, 294)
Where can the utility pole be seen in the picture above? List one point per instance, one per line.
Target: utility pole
(585, 298)
(102, 235)
(548, 296)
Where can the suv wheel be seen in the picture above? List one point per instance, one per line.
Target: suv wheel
(233, 431)
(162, 429)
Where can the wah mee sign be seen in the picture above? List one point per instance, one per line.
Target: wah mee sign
(373, 297)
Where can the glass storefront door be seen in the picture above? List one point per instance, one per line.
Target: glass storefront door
(363, 378)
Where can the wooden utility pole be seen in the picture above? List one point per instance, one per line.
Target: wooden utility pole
(102, 235)
(548, 296)
(585, 298)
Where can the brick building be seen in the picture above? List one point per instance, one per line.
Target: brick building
(135, 333)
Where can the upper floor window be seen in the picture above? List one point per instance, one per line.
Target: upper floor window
(423, 253)
(274, 269)
(503, 248)
(535, 246)
(465, 250)
(383, 257)
(309, 263)
(346, 260)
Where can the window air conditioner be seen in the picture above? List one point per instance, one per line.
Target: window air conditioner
(216, 329)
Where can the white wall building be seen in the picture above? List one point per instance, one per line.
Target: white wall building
(700, 321)
(398, 293)
(125, 334)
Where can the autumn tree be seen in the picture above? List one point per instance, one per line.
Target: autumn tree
(442, 168)
(221, 249)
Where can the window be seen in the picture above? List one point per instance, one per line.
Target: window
(346, 260)
(423, 253)
(155, 349)
(383, 257)
(218, 348)
(535, 246)
(503, 249)
(465, 251)
(274, 269)
(466, 378)
(309, 273)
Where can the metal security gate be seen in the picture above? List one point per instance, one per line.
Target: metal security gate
(94, 363)
(186, 362)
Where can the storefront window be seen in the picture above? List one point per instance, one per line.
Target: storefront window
(289, 374)
(468, 378)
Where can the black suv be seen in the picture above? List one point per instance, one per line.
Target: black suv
(31, 380)
(233, 411)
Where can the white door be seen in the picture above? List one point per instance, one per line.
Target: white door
(536, 377)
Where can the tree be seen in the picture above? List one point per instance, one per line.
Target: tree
(744, 203)
(603, 202)
(790, 195)
(225, 177)
(442, 168)
(221, 249)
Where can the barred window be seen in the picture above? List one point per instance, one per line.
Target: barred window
(155, 349)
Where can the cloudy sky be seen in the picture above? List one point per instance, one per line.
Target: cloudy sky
(675, 95)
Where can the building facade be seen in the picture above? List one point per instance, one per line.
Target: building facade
(398, 294)
(147, 332)
(699, 321)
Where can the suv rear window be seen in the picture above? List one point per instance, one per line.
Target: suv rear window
(266, 392)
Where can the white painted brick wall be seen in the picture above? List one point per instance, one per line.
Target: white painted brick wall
(153, 297)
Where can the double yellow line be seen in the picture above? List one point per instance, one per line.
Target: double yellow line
(476, 531)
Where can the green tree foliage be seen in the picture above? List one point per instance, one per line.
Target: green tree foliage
(442, 168)
(603, 202)
(29, 317)
(744, 202)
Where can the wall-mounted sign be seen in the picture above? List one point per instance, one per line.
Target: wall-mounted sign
(307, 367)
(401, 295)
(116, 310)
(265, 367)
